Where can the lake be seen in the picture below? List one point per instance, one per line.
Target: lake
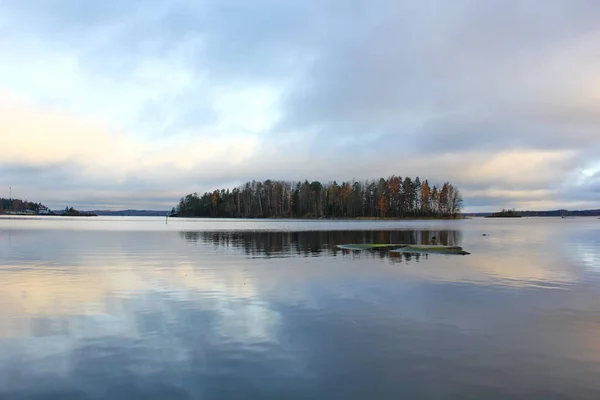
(137, 308)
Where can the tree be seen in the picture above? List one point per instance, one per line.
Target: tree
(425, 198)
(408, 197)
(394, 197)
(456, 201)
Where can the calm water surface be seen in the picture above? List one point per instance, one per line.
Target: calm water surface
(134, 308)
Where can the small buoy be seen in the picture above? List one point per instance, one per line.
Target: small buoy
(484, 234)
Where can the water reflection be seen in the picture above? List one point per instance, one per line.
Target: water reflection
(314, 243)
(184, 314)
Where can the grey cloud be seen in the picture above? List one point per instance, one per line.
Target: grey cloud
(585, 188)
(447, 60)
(490, 202)
(40, 175)
(59, 184)
(456, 132)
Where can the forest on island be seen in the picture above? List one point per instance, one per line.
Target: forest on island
(384, 198)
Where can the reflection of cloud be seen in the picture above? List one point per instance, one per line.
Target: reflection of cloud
(513, 254)
(50, 292)
(515, 270)
(97, 292)
(232, 294)
(583, 247)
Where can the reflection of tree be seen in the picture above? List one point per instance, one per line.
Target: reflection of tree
(287, 244)
(191, 236)
(408, 257)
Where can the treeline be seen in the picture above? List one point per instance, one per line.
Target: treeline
(549, 213)
(384, 198)
(561, 213)
(130, 213)
(505, 214)
(18, 205)
(71, 212)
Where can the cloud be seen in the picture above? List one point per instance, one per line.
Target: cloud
(176, 97)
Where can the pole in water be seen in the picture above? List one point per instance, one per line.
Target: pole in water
(167, 219)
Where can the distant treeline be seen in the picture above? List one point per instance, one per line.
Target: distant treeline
(18, 205)
(71, 212)
(549, 213)
(384, 198)
(130, 213)
(560, 213)
(505, 214)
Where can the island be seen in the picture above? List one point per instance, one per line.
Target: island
(71, 212)
(505, 214)
(391, 198)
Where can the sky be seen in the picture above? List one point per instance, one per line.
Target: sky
(134, 104)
